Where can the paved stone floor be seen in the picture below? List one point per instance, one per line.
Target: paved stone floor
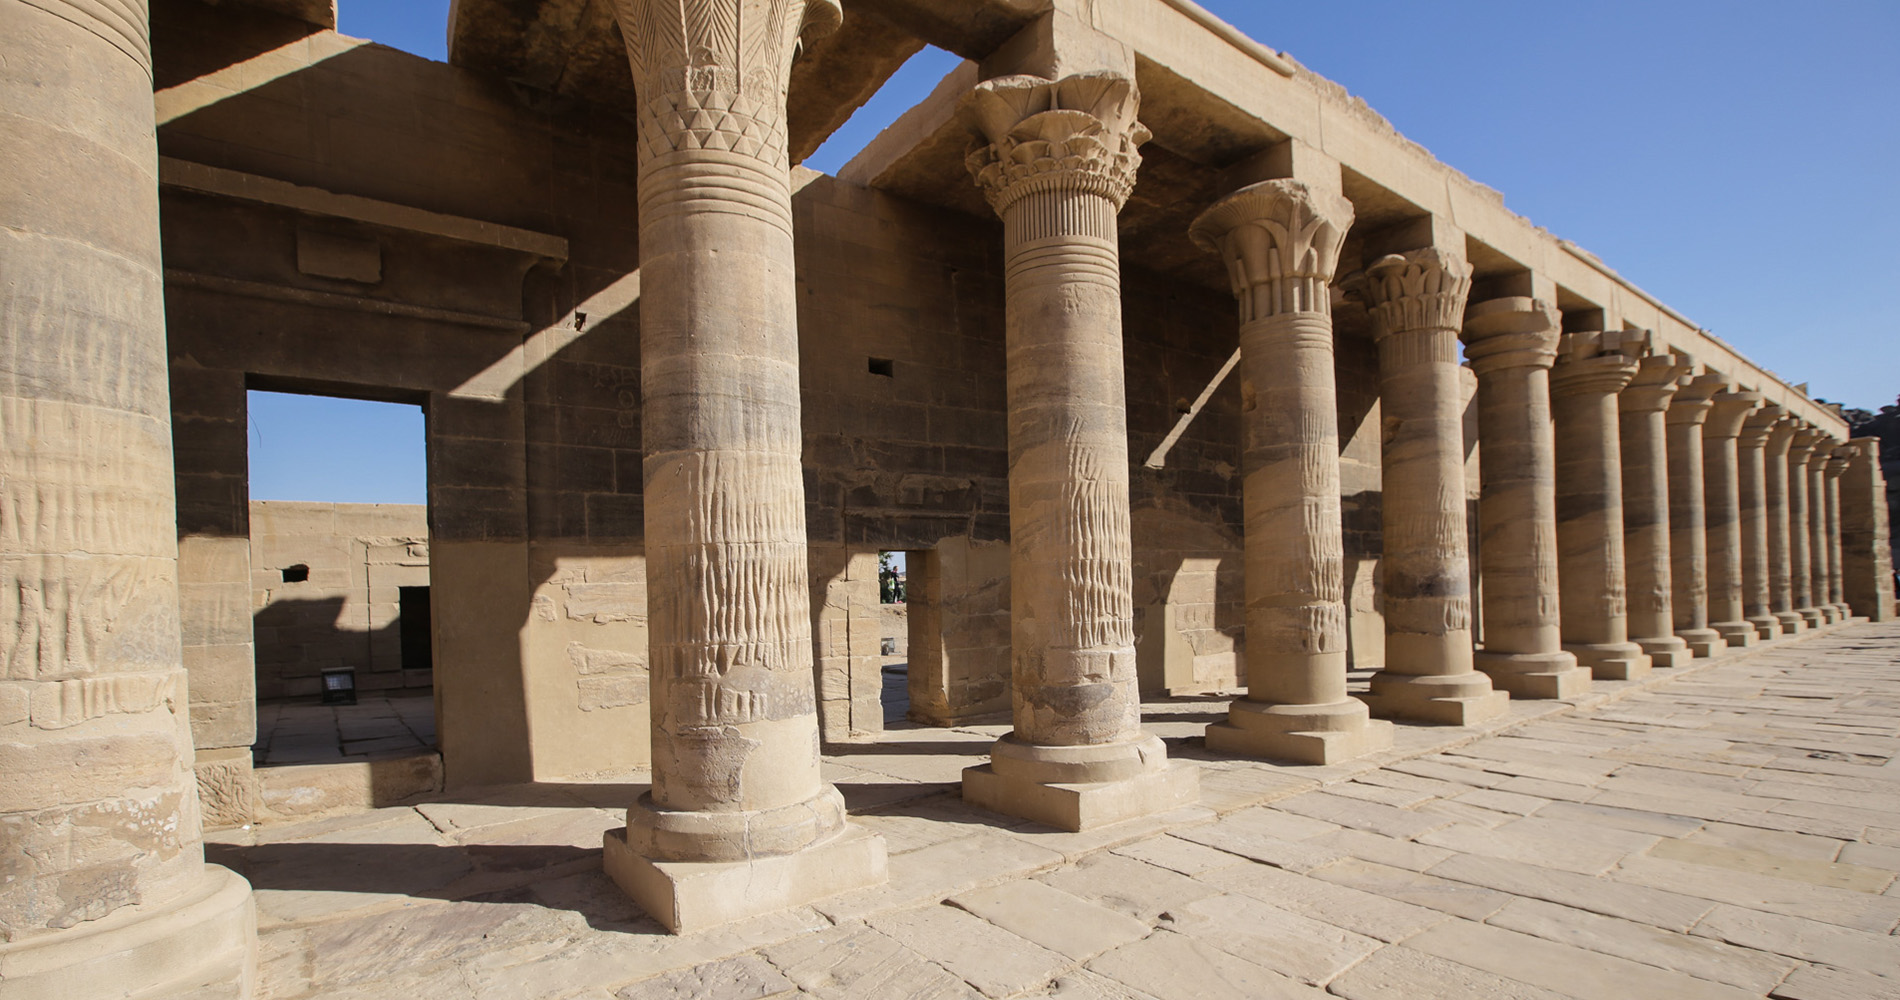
(1725, 830)
(305, 732)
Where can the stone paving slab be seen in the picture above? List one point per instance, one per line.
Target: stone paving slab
(1725, 830)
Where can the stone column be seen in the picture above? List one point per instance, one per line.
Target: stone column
(104, 890)
(1057, 159)
(1838, 459)
(1417, 303)
(1866, 542)
(1511, 344)
(1751, 474)
(1652, 620)
(1721, 484)
(1688, 521)
(1780, 537)
(738, 821)
(1801, 527)
(1819, 551)
(1280, 241)
(1592, 369)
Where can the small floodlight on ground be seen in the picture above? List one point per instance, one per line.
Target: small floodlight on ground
(339, 686)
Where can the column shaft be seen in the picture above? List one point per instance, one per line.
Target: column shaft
(105, 889)
(1801, 529)
(1511, 344)
(1752, 474)
(1592, 368)
(1837, 464)
(1820, 552)
(1280, 240)
(1075, 702)
(734, 713)
(1722, 488)
(1688, 521)
(1417, 308)
(1644, 437)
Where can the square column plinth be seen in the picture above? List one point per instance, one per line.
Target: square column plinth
(1082, 806)
(1299, 733)
(690, 896)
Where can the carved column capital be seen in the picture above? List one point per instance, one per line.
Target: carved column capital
(1781, 435)
(1694, 398)
(1280, 240)
(1728, 411)
(1760, 424)
(713, 74)
(1657, 379)
(1419, 290)
(1515, 332)
(1838, 461)
(1597, 362)
(1806, 439)
(1077, 134)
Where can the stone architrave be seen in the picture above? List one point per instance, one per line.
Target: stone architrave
(1866, 542)
(1652, 620)
(1801, 526)
(1837, 463)
(1511, 344)
(1591, 370)
(1417, 304)
(738, 821)
(1820, 552)
(1057, 159)
(1721, 485)
(1280, 241)
(1688, 521)
(1751, 475)
(1780, 534)
(104, 890)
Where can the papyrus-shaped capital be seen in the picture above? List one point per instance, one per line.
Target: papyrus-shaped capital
(1078, 134)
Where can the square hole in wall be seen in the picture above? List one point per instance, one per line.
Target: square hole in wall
(884, 366)
(296, 574)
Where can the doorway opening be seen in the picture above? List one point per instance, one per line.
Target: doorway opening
(339, 543)
(894, 637)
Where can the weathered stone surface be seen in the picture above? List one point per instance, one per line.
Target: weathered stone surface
(992, 959)
(855, 962)
(1052, 918)
(1171, 966)
(1644, 943)
(1288, 943)
(1400, 973)
(1554, 966)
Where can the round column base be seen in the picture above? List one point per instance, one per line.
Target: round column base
(201, 945)
(1811, 617)
(1439, 699)
(1735, 633)
(1081, 787)
(743, 835)
(1614, 661)
(1703, 642)
(1846, 610)
(1792, 622)
(1304, 734)
(1534, 675)
(1766, 626)
(1664, 651)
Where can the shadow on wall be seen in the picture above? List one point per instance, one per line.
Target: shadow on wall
(297, 639)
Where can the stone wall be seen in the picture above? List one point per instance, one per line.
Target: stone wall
(345, 611)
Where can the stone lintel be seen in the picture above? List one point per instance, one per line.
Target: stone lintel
(691, 896)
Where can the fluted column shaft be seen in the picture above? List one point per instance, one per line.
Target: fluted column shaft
(1801, 528)
(1417, 305)
(1780, 534)
(1836, 586)
(1688, 521)
(1511, 344)
(1752, 476)
(1280, 241)
(1652, 623)
(1057, 160)
(1592, 368)
(1721, 484)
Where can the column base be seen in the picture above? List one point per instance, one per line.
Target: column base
(1305, 734)
(689, 896)
(1792, 623)
(1664, 652)
(1811, 617)
(1439, 699)
(1832, 613)
(1083, 787)
(740, 835)
(1845, 611)
(1534, 675)
(1766, 626)
(1703, 642)
(1613, 661)
(1735, 634)
(201, 945)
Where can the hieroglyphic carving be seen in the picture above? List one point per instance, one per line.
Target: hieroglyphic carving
(713, 74)
(62, 704)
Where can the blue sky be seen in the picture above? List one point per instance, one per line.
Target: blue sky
(1735, 158)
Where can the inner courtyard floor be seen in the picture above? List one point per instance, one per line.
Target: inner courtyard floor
(1726, 830)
